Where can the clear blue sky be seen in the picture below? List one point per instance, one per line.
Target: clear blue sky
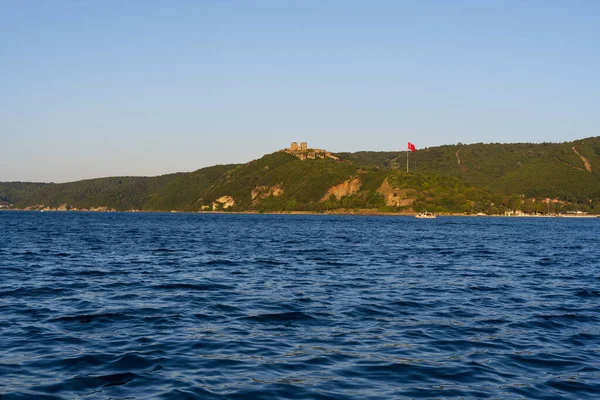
(103, 88)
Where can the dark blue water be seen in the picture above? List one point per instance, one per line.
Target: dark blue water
(177, 306)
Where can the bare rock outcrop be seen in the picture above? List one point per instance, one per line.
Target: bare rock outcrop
(223, 202)
(346, 188)
(262, 192)
(393, 196)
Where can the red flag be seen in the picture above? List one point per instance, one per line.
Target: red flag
(411, 147)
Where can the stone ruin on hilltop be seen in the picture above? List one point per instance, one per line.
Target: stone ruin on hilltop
(304, 153)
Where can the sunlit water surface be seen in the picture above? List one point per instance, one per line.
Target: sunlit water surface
(176, 306)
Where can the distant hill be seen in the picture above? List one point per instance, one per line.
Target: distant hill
(163, 192)
(488, 178)
(13, 192)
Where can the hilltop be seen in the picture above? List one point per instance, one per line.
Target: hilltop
(568, 171)
(489, 178)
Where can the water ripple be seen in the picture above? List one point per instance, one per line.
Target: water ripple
(174, 306)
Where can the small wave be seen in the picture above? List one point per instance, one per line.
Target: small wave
(484, 288)
(237, 272)
(88, 318)
(35, 312)
(582, 338)
(221, 262)
(215, 252)
(410, 304)
(545, 261)
(371, 311)
(485, 252)
(588, 293)
(82, 362)
(269, 262)
(92, 272)
(133, 361)
(124, 296)
(228, 309)
(163, 320)
(83, 382)
(572, 247)
(140, 262)
(24, 253)
(286, 317)
(549, 362)
(574, 386)
(27, 395)
(493, 321)
(193, 286)
(568, 317)
(164, 250)
(206, 317)
(191, 393)
(338, 263)
(31, 291)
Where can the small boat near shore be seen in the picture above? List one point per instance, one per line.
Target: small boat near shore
(425, 215)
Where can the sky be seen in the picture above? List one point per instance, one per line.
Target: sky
(119, 88)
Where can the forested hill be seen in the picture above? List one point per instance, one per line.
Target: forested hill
(569, 170)
(13, 192)
(165, 192)
(489, 178)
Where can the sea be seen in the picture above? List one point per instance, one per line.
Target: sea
(233, 306)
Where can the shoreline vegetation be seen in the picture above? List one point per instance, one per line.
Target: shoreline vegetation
(325, 213)
(520, 179)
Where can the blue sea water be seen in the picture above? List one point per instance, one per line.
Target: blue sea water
(176, 306)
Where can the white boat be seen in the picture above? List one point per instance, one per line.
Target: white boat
(575, 215)
(425, 215)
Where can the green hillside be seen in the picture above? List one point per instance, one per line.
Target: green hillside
(305, 184)
(552, 170)
(165, 192)
(120, 193)
(13, 192)
(184, 191)
(488, 178)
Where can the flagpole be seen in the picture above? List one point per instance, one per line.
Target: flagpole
(409, 148)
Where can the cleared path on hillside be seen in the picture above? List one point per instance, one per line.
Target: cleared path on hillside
(586, 162)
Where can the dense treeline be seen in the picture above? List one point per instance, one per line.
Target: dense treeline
(13, 192)
(165, 192)
(477, 178)
(544, 170)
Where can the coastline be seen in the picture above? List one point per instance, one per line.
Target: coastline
(329, 213)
